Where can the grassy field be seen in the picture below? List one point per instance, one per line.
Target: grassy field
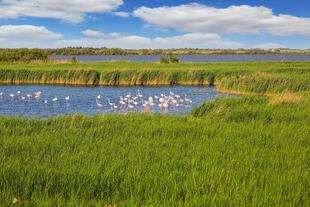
(247, 151)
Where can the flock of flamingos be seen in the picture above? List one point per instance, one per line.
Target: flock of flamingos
(127, 103)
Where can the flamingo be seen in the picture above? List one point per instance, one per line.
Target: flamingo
(165, 105)
(130, 106)
(99, 105)
(112, 105)
(161, 100)
(135, 103)
(39, 93)
(145, 103)
(175, 104)
(29, 96)
(189, 101)
(139, 94)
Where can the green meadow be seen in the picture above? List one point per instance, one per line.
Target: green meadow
(247, 151)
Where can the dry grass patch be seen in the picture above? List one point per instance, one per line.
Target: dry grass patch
(285, 97)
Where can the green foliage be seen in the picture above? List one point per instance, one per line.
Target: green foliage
(23, 55)
(262, 83)
(168, 59)
(78, 77)
(74, 59)
(238, 152)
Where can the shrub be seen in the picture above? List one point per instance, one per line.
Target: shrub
(169, 59)
(74, 60)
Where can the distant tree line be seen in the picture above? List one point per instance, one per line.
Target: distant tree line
(30, 55)
(23, 55)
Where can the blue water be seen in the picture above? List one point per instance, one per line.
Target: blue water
(186, 58)
(84, 99)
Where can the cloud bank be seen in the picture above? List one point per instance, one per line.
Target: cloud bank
(93, 38)
(16, 36)
(73, 11)
(197, 18)
(26, 36)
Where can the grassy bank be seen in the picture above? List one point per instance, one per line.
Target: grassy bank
(249, 77)
(250, 151)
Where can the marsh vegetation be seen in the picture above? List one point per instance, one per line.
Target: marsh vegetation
(245, 152)
(250, 151)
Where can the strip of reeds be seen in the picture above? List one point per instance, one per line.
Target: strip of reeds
(243, 78)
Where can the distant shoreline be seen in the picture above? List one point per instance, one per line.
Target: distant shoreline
(185, 58)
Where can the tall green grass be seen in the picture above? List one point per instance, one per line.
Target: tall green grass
(230, 152)
(257, 77)
(264, 83)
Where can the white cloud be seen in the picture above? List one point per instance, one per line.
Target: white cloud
(269, 46)
(95, 38)
(16, 36)
(93, 33)
(114, 34)
(26, 35)
(195, 40)
(122, 14)
(68, 10)
(197, 18)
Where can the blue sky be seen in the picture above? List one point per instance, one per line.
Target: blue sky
(155, 23)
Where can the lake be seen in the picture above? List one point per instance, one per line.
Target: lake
(50, 100)
(185, 58)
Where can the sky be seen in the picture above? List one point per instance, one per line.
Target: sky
(136, 24)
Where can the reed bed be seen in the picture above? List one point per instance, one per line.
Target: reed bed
(264, 83)
(247, 78)
(236, 152)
